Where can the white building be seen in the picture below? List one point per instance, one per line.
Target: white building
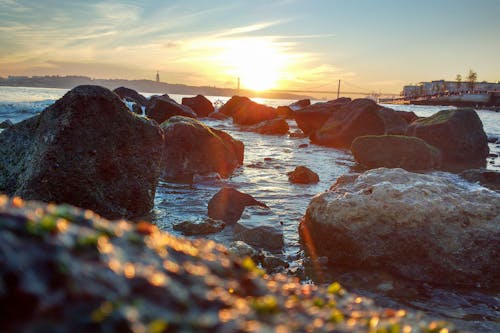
(447, 87)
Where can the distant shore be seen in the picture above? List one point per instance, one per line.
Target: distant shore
(147, 86)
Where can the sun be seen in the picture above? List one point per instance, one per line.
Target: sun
(257, 62)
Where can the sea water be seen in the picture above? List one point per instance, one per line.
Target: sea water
(263, 175)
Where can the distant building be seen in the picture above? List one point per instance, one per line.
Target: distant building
(447, 87)
(157, 76)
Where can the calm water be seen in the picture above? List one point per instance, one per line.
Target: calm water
(263, 175)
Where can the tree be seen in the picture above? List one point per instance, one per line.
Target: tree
(459, 82)
(471, 79)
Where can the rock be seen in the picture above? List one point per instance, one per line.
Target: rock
(408, 116)
(228, 205)
(246, 112)
(264, 237)
(200, 227)
(6, 124)
(67, 270)
(87, 149)
(161, 108)
(131, 94)
(458, 134)
(303, 145)
(241, 250)
(285, 112)
(303, 175)
(424, 227)
(137, 109)
(312, 118)
(199, 104)
(395, 151)
(192, 148)
(300, 104)
(272, 263)
(277, 126)
(357, 118)
(394, 124)
(485, 177)
(218, 116)
(491, 139)
(297, 134)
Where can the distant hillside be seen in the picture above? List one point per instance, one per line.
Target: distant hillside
(148, 86)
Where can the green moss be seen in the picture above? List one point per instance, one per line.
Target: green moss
(438, 118)
(265, 304)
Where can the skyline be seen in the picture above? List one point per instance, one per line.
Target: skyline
(287, 44)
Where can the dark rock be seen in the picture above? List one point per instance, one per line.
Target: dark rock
(137, 109)
(161, 108)
(491, 155)
(87, 149)
(241, 250)
(201, 227)
(485, 177)
(228, 205)
(408, 116)
(297, 134)
(272, 263)
(295, 106)
(303, 175)
(193, 148)
(131, 94)
(218, 116)
(247, 112)
(425, 227)
(277, 126)
(285, 112)
(199, 104)
(263, 237)
(303, 145)
(458, 134)
(492, 139)
(313, 117)
(393, 122)
(6, 124)
(67, 270)
(395, 151)
(357, 118)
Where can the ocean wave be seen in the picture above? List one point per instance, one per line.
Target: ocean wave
(19, 110)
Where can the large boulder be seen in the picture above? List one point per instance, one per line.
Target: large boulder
(86, 149)
(458, 134)
(161, 108)
(244, 111)
(358, 118)
(277, 126)
(132, 95)
(295, 106)
(394, 122)
(313, 117)
(67, 270)
(424, 227)
(199, 104)
(228, 205)
(395, 151)
(192, 148)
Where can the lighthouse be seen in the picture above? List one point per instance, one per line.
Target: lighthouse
(157, 76)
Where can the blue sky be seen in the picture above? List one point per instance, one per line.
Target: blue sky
(296, 44)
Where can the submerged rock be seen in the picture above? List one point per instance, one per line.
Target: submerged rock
(201, 227)
(458, 134)
(192, 148)
(303, 175)
(132, 95)
(6, 124)
(161, 108)
(228, 204)
(277, 126)
(395, 151)
(244, 111)
(485, 177)
(199, 104)
(87, 149)
(67, 270)
(424, 227)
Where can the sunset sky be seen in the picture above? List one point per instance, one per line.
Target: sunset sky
(379, 45)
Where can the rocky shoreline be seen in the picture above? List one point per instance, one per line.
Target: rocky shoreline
(91, 151)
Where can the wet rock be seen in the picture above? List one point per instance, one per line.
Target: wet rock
(424, 227)
(199, 104)
(228, 205)
(67, 270)
(264, 237)
(300, 104)
(241, 250)
(458, 134)
(218, 116)
(303, 145)
(192, 148)
(244, 111)
(285, 112)
(485, 177)
(161, 108)
(272, 263)
(87, 149)
(303, 175)
(408, 116)
(394, 124)
(6, 124)
(492, 139)
(357, 118)
(277, 126)
(312, 118)
(297, 134)
(127, 93)
(137, 109)
(395, 151)
(200, 227)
